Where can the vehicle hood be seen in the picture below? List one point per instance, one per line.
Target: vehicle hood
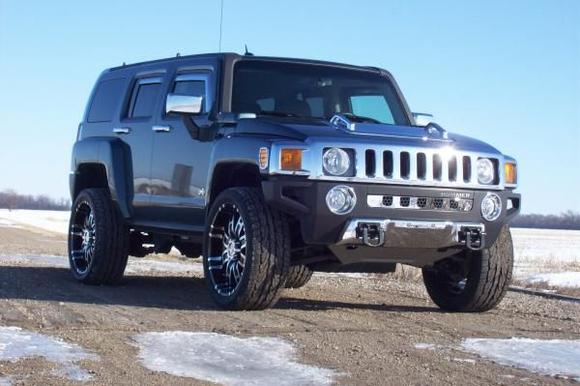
(375, 134)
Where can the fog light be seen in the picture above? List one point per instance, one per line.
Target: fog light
(341, 199)
(491, 207)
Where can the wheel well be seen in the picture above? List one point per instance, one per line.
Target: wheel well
(229, 175)
(90, 176)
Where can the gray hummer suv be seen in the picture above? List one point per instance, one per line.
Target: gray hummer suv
(272, 168)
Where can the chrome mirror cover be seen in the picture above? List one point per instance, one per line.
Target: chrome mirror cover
(183, 104)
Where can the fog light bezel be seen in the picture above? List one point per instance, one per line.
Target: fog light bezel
(497, 204)
(350, 201)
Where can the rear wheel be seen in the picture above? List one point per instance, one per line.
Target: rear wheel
(98, 239)
(246, 250)
(298, 276)
(474, 281)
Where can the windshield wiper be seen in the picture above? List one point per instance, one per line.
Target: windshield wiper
(280, 114)
(360, 118)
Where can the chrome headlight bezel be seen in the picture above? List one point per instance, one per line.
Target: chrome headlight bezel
(485, 169)
(337, 162)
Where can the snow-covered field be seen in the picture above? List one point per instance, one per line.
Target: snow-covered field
(537, 251)
(53, 221)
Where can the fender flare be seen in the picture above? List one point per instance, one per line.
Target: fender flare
(115, 156)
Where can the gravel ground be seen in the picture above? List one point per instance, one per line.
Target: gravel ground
(363, 328)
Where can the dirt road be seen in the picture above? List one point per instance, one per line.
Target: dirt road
(366, 329)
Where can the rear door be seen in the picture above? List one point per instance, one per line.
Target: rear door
(180, 160)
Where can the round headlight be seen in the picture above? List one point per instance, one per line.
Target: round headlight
(335, 161)
(491, 207)
(341, 199)
(485, 172)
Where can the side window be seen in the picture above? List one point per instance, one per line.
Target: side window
(106, 100)
(193, 85)
(144, 97)
(372, 106)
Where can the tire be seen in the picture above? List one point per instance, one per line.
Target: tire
(98, 240)
(246, 251)
(298, 276)
(475, 281)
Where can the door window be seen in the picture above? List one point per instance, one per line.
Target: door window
(193, 85)
(144, 97)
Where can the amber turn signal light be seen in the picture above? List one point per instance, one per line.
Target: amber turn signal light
(291, 159)
(511, 173)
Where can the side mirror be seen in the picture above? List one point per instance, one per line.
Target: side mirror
(422, 119)
(183, 104)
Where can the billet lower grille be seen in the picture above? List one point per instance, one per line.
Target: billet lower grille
(420, 167)
(420, 203)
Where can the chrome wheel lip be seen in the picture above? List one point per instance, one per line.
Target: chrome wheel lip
(82, 238)
(227, 246)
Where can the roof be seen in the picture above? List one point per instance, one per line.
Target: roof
(234, 56)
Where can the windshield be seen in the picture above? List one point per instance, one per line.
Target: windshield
(314, 91)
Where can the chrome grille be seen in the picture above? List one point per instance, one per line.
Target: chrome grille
(401, 164)
(423, 167)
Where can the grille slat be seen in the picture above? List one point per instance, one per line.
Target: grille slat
(396, 173)
(413, 166)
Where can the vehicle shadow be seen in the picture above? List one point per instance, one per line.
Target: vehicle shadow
(165, 292)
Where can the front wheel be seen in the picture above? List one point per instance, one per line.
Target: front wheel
(474, 281)
(98, 239)
(246, 250)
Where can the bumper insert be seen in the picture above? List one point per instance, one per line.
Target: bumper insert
(413, 234)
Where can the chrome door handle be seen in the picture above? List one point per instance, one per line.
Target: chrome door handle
(162, 129)
(121, 130)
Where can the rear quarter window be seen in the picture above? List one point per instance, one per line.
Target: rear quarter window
(106, 100)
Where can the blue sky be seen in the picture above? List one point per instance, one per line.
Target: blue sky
(507, 72)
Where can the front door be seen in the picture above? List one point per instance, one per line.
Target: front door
(180, 161)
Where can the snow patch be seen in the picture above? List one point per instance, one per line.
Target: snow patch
(5, 381)
(228, 359)
(53, 221)
(548, 357)
(559, 279)
(16, 344)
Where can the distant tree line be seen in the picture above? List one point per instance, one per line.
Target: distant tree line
(11, 200)
(566, 220)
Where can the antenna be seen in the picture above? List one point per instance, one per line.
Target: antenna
(247, 53)
(221, 24)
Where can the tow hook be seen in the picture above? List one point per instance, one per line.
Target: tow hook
(371, 234)
(474, 238)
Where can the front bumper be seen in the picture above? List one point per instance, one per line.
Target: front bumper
(427, 234)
